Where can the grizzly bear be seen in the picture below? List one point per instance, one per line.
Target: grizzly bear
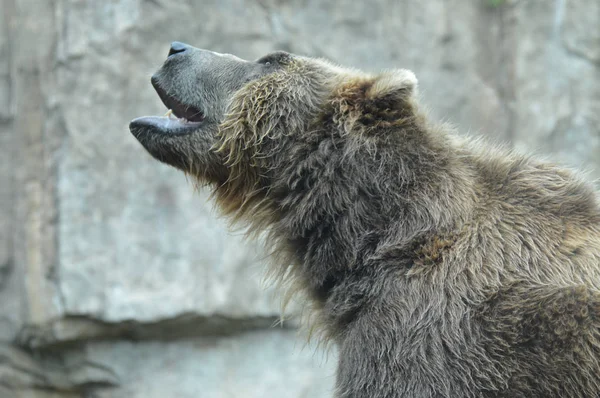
(438, 265)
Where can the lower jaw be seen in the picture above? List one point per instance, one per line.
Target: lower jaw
(164, 125)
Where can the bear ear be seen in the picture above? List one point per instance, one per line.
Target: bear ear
(393, 86)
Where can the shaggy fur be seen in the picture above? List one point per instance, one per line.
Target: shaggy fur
(439, 266)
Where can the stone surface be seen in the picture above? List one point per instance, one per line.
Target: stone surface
(272, 363)
(101, 246)
(141, 243)
(25, 375)
(254, 365)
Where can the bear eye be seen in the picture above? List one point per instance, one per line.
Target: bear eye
(267, 61)
(276, 58)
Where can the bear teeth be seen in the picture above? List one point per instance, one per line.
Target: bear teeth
(171, 115)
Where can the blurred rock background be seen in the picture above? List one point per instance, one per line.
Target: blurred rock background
(116, 279)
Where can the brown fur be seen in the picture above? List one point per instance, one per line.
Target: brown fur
(439, 265)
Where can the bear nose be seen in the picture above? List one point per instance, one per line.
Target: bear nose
(178, 47)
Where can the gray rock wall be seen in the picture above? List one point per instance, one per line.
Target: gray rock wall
(117, 279)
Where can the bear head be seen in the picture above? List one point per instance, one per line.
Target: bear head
(240, 125)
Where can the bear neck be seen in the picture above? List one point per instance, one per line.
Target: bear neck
(348, 209)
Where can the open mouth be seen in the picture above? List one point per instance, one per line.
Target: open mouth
(186, 113)
(180, 118)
